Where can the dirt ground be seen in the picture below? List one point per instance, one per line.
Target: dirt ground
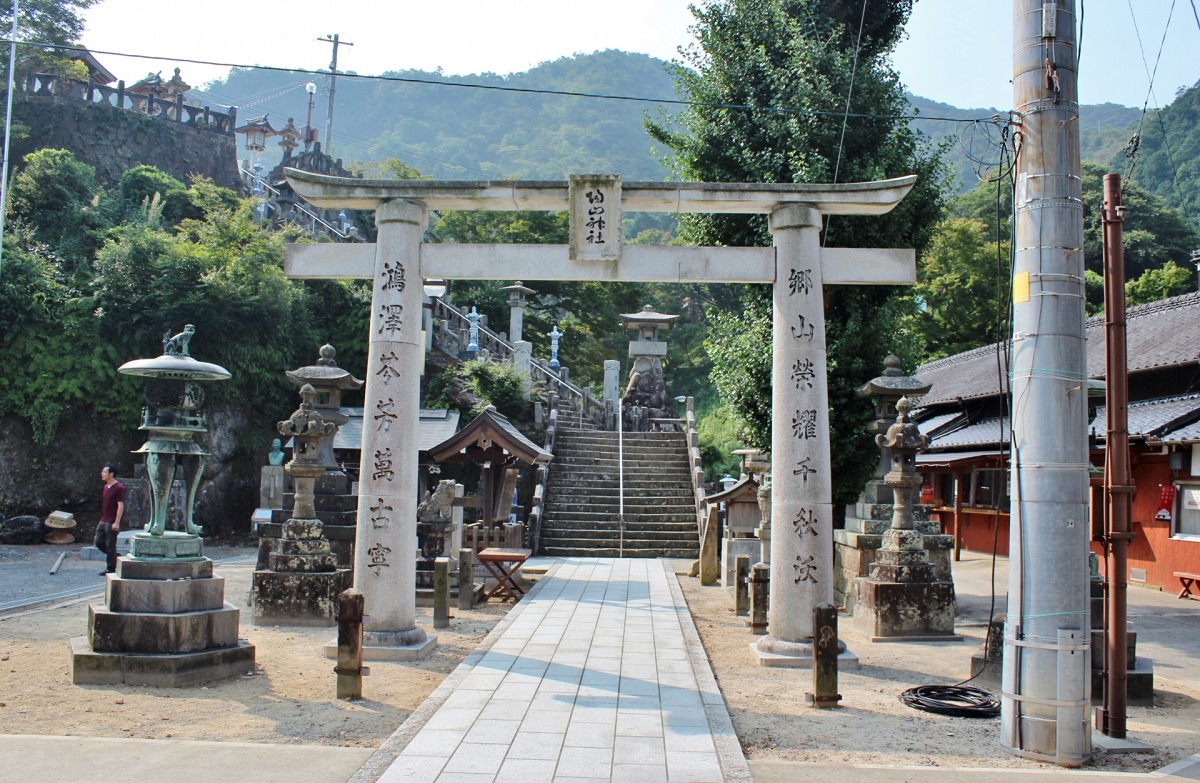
(872, 726)
(290, 697)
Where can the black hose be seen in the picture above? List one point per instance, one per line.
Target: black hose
(955, 700)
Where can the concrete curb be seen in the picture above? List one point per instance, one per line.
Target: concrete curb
(734, 767)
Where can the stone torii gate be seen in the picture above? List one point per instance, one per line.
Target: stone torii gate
(797, 266)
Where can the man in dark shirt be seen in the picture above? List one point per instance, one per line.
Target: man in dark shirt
(112, 509)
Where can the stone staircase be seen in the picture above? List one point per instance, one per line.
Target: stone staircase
(582, 499)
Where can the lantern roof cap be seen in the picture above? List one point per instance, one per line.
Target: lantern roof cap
(325, 372)
(647, 316)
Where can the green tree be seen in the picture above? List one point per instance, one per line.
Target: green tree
(1168, 280)
(58, 197)
(961, 291)
(49, 22)
(791, 62)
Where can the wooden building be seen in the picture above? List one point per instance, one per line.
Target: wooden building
(967, 467)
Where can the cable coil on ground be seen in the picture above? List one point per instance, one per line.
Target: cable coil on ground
(956, 700)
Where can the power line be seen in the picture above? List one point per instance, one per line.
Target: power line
(502, 88)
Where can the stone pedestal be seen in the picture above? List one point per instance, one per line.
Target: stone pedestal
(902, 599)
(165, 621)
(855, 547)
(302, 581)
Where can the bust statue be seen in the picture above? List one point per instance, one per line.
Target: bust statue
(276, 455)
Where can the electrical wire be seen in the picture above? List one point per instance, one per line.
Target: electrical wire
(962, 700)
(953, 700)
(502, 88)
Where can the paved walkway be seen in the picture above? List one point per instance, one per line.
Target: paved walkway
(596, 675)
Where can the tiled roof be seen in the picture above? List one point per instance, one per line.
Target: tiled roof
(985, 432)
(433, 427)
(932, 423)
(1160, 334)
(1159, 419)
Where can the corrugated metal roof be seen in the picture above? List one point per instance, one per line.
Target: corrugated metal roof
(1159, 334)
(1155, 418)
(433, 427)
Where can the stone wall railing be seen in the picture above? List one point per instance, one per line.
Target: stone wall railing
(538, 506)
(201, 117)
(696, 467)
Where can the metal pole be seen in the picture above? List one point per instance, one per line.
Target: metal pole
(328, 147)
(621, 479)
(1046, 683)
(12, 64)
(1118, 488)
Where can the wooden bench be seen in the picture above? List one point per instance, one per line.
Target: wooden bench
(1187, 581)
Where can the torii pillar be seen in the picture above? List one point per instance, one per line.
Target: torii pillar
(385, 551)
(797, 266)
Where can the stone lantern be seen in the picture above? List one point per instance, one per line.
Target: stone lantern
(173, 420)
(554, 336)
(887, 390)
(328, 381)
(302, 581)
(517, 302)
(165, 621)
(290, 138)
(646, 393)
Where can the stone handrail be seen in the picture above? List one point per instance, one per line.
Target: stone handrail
(696, 467)
(457, 322)
(543, 473)
(313, 217)
(200, 117)
(459, 326)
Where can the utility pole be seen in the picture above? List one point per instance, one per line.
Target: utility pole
(333, 39)
(1118, 487)
(1046, 680)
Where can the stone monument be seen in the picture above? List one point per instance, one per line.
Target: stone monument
(165, 621)
(302, 581)
(902, 599)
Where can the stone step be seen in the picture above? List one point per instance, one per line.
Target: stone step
(678, 553)
(559, 536)
(575, 474)
(611, 504)
(683, 514)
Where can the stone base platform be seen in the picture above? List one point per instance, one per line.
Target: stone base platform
(158, 671)
(425, 595)
(306, 599)
(847, 661)
(906, 611)
(165, 621)
(377, 649)
(1139, 684)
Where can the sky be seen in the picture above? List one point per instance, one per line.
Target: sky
(957, 51)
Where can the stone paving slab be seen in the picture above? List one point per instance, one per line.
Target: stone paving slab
(596, 674)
